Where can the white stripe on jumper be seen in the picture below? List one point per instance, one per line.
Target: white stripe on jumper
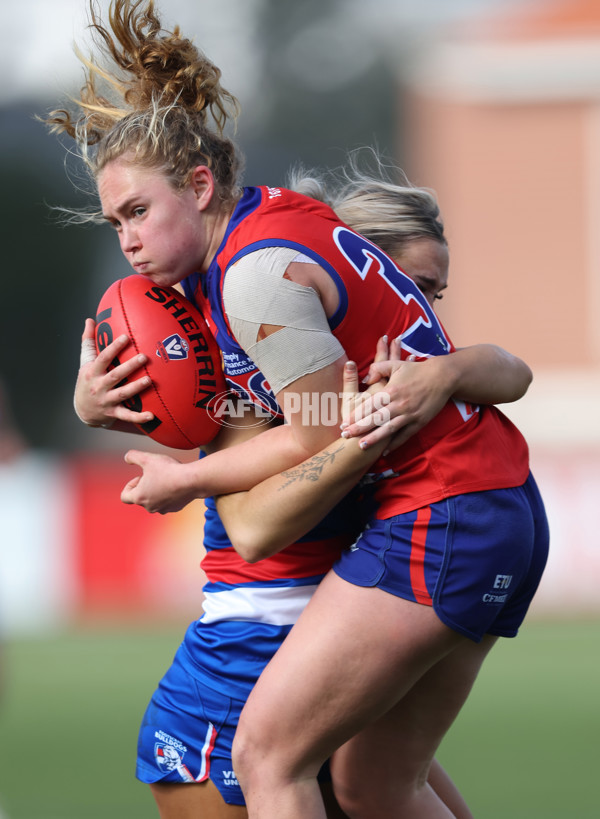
(276, 605)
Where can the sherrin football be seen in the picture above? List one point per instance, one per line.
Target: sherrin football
(184, 361)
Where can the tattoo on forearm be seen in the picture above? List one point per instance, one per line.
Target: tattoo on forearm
(312, 469)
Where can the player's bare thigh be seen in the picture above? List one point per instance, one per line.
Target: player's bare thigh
(396, 750)
(365, 649)
(200, 800)
(203, 801)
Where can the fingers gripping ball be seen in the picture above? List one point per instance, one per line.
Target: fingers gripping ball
(184, 361)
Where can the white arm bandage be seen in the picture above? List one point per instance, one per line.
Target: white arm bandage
(255, 292)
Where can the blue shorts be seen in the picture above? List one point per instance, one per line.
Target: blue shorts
(187, 733)
(476, 558)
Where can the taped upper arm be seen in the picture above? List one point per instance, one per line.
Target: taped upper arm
(256, 293)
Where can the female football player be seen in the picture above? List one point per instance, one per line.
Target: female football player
(456, 538)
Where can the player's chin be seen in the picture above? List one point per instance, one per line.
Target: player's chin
(163, 279)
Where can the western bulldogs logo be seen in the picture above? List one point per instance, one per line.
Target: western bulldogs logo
(168, 759)
(173, 348)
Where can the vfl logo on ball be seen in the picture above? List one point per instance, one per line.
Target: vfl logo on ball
(173, 348)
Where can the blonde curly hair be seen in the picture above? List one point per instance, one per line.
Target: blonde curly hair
(151, 95)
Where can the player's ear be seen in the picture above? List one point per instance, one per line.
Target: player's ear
(202, 184)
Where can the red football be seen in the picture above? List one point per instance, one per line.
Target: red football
(184, 361)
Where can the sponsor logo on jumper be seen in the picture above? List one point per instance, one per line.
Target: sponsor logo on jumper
(235, 364)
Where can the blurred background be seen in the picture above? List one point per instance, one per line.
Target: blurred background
(493, 104)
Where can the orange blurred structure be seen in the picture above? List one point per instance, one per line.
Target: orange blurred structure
(504, 123)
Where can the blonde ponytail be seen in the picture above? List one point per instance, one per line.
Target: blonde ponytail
(151, 94)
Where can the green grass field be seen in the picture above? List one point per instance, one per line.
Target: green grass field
(525, 746)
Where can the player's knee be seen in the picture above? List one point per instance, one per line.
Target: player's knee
(241, 755)
(250, 754)
(262, 759)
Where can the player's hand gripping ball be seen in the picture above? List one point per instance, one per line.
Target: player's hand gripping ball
(184, 361)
